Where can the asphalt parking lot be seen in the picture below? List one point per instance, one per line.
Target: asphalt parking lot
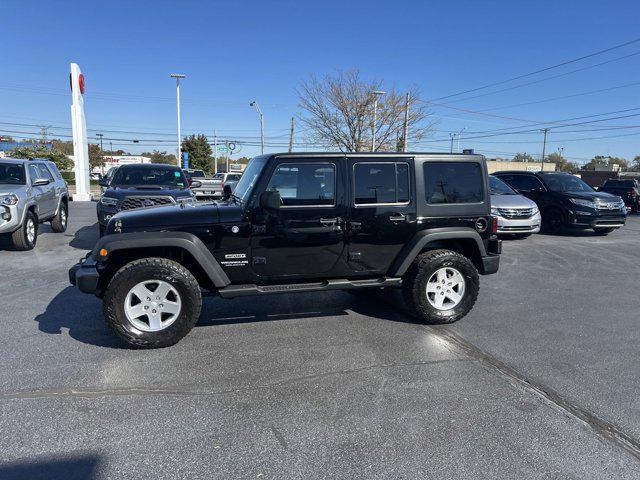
(539, 381)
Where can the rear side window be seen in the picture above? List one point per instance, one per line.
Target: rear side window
(453, 182)
(305, 184)
(381, 183)
(523, 183)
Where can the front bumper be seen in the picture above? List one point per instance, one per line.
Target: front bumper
(10, 218)
(519, 225)
(593, 219)
(85, 276)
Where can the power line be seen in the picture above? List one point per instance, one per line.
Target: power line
(561, 64)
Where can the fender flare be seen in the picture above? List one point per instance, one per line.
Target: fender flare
(183, 240)
(403, 261)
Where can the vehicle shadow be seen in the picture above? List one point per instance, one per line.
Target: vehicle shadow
(85, 238)
(81, 315)
(78, 467)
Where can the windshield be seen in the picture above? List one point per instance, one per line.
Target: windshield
(249, 178)
(12, 173)
(498, 187)
(566, 183)
(161, 177)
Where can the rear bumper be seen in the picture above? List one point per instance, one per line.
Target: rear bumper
(85, 276)
(491, 261)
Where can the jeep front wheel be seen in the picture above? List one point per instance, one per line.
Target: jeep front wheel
(441, 286)
(152, 302)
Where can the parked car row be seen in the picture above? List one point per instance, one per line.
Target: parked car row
(558, 201)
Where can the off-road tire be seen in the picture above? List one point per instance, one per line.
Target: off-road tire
(152, 269)
(603, 231)
(20, 239)
(414, 286)
(59, 222)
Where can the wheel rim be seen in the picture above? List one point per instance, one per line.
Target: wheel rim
(31, 230)
(445, 288)
(152, 305)
(63, 217)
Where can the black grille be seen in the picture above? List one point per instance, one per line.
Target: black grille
(130, 203)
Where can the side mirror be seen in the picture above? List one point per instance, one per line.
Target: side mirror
(270, 200)
(103, 182)
(40, 182)
(195, 184)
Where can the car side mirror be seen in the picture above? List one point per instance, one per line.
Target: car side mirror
(40, 182)
(195, 184)
(270, 200)
(103, 182)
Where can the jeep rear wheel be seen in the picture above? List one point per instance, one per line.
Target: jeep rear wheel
(152, 302)
(441, 286)
(26, 236)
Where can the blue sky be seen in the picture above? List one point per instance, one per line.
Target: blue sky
(234, 52)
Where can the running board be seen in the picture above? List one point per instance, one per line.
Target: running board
(232, 291)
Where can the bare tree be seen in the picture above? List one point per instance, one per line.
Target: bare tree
(338, 113)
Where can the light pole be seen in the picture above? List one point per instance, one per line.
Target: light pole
(460, 136)
(257, 107)
(376, 94)
(452, 136)
(178, 76)
(100, 135)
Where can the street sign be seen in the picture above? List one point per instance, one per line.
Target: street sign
(185, 155)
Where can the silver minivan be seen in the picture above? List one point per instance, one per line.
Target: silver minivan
(517, 215)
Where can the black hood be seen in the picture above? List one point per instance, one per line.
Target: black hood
(175, 217)
(593, 196)
(150, 190)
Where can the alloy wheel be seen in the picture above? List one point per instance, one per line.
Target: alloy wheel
(152, 305)
(445, 288)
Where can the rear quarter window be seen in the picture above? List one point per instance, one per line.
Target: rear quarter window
(453, 182)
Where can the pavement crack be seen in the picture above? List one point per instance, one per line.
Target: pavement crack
(178, 390)
(601, 427)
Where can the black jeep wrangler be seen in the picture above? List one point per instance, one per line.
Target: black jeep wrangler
(298, 223)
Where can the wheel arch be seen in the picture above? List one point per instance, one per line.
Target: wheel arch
(465, 241)
(182, 247)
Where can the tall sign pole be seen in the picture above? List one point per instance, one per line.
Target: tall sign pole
(79, 128)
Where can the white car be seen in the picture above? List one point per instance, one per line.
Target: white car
(517, 215)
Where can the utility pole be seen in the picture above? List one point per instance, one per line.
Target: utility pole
(406, 125)
(291, 136)
(178, 76)
(376, 94)
(44, 133)
(111, 146)
(257, 107)
(215, 152)
(452, 135)
(544, 148)
(100, 135)
(226, 143)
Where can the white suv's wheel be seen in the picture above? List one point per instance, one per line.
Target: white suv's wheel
(26, 236)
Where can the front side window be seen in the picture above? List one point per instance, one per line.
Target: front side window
(44, 172)
(304, 184)
(381, 183)
(453, 182)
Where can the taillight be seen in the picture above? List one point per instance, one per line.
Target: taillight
(494, 225)
(221, 184)
(190, 180)
(633, 192)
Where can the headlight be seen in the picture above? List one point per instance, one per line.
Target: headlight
(494, 211)
(9, 199)
(584, 203)
(535, 211)
(109, 201)
(186, 199)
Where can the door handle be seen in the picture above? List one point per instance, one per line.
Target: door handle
(398, 218)
(329, 221)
